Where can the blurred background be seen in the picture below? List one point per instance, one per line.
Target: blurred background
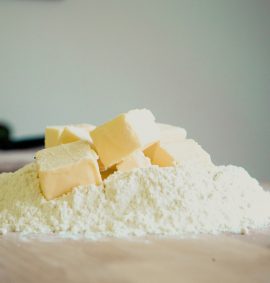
(202, 65)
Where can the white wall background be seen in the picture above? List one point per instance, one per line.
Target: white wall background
(204, 65)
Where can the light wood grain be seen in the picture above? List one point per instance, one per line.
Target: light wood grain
(223, 258)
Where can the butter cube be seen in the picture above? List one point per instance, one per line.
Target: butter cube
(66, 166)
(75, 133)
(135, 160)
(88, 127)
(52, 135)
(117, 139)
(150, 150)
(178, 152)
(169, 133)
(55, 135)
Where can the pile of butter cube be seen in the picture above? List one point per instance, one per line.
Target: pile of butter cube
(79, 155)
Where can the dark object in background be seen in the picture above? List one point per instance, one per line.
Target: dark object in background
(6, 143)
(4, 134)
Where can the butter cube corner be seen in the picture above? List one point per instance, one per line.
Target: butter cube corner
(52, 135)
(63, 167)
(135, 160)
(178, 152)
(123, 135)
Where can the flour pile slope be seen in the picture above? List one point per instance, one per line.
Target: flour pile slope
(176, 200)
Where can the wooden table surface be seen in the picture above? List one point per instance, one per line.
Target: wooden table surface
(223, 258)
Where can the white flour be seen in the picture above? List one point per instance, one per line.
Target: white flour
(166, 201)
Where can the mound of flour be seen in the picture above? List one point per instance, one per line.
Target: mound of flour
(176, 200)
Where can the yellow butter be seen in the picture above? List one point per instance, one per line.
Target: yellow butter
(66, 166)
(135, 160)
(75, 133)
(52, 135)
(88, 127)
(128, 132)
(150, 150)
(55, 135)
(169, 133)
(178, 152)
